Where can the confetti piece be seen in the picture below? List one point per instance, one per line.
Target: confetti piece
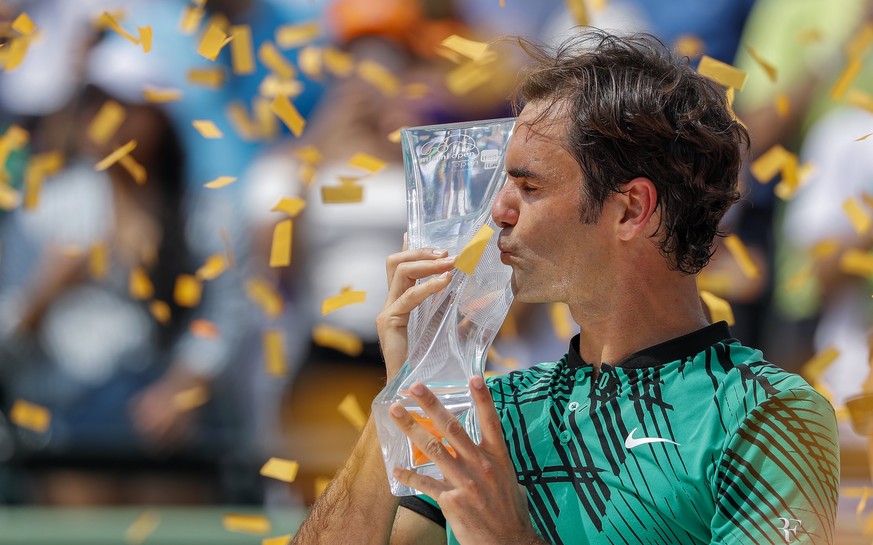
(291, 36)
(206, 77)
(338, 62)
(346, 297)
(285, 110)
(865, 137)
(818, 364)
(250, 524)
(190, 399)
(857, 262)
(719, 309)
(207, 129)
(275, 61)
(213, 41)
(862, 503)
(468, 48)
(141, 528)
(187, 291)
(145, 38)
(741, 255)
(281, 470)
(861, 41)
(847, 77)
(783, 105)
(768, 68)
(16, 52)
(39, 166)
(160, 311)
(139, 285)
(157, 95)
(715, 282)
(310, 61)
(266, 127)
(238, 115)
(280, 251)
(321, 485)
(787, 187)
(809, 36)
(275, 362)
(115, 156)
(220, 182)
(136, 170)
(98, 261)
(799, 279)
(308, 154)
(379, 76)
(859, 218)
(367, 162)
(31, 416)
(824, 249)
(10, 199)
(242, 52)
(273, 85)
(265, 296)
(204, 329)
(109, 22)
(278, 540)
(562, 321)
(689, 45)
(765, 167)
(722, 73)
(191, 18)
(289, 205)
(394, 137)
(13, 139)
(472, 252)
(340, 340)
(578, 10)
(351, 409)
(467, 77)
(215, 265)
(23, 24)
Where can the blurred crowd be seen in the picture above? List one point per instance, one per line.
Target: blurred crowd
(157, 343)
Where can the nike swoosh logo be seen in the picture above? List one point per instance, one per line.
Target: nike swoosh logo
(632, 442)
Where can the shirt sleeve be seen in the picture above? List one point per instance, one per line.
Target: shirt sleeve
(424, 506)
(778, 478)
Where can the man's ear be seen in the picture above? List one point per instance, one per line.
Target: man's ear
(639, 199)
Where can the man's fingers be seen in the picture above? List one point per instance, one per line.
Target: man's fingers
(421, 254)
(422, 483)
(489, 421)
(430, 445)
(445, 422)
(415, 295)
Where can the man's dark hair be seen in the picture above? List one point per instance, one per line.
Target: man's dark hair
(633, 109)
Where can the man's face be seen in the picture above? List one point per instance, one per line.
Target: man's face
(553, 255)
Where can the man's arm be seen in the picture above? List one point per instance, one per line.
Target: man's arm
(357, 506)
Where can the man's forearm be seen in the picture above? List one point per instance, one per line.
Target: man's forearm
(357, 506)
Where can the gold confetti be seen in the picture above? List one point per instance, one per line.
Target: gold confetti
(472, 252)
(275, 362)
(847, 77)
(562, 321)
(275, 61)
(9, 197)
(289, 205)
(741, 255)
(204, 329)
(689, 45)
(250, 524)
(824, 249)
(157, 95)
(160, 311)
(310, 61)
(818, 364)
(266, 126)
(207, 129)
(145, 38)
(857, 262)
(346, 297)
(367, 162)
(280, 251)
(278, 540)
(16, 51)
(351, 409)
(134, 168)
(468, 76)
(281, 470)
(859, 218)
(862, 503)
(115, 156)
(30, 415)
(140, 529)
(321, 485)
(213, 41)
(768, 68)
(285, 110)
(765, 167)
(338, 62)
(394, 137)
(463, 46)
(109, 22)
(416, 90)
(273, 85)
(23, 24)
(787, 187)
(719, 309)
(220, 182)
(861, 41)
(809, 36)
(13, 139)
(206, 77)
(98, 261)
(139, 285)
(578, 10)
(265, 296)
(191, 18)
(379, 76)
(722, 73)
(291, 36)
(242, 52)
(215, 265)
(783, 105)
(343, 341)
(190, 399)
(865, 137)
(187, 291)
(39, 166)
(238, 115)
(308, 154)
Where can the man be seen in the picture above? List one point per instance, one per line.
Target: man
(655, 427)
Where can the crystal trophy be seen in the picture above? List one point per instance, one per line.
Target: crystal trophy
(453, 174)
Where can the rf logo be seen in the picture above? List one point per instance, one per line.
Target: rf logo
(788, 529)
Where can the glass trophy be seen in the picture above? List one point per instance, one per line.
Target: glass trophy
(453, 174)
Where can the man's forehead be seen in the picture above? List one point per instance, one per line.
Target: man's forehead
(543, 120)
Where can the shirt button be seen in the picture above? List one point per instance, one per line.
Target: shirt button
(580, 375)
(573, 406)
(564, 437)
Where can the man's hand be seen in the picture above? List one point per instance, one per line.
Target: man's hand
(480, 496)
(404, 269)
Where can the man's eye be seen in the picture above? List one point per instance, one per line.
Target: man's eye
(528, 188)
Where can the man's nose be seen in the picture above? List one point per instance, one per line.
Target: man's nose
(504, 211)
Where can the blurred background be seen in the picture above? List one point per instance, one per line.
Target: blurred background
(183, 183)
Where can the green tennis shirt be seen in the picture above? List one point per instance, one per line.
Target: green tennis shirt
(696, 440)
